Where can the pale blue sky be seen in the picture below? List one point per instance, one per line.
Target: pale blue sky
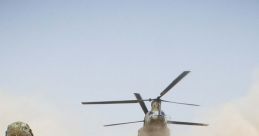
(69, 51)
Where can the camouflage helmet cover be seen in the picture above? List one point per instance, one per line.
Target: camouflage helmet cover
(18, 129)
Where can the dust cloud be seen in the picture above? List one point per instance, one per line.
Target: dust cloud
(237, 118)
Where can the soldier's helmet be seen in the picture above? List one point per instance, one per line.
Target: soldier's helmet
(18, 129)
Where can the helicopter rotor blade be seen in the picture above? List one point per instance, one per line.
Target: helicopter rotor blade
(141, 102)
(112, 102)
(189, 104)
(122, 123)
(186, 123)
(180, 77)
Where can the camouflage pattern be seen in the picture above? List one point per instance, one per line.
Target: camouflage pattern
(18, 129)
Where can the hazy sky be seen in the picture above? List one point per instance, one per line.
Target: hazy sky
(56, 54)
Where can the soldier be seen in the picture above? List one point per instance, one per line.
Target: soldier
(18, 129)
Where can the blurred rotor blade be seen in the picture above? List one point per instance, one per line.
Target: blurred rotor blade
(186, 123)
(112, 102)
(189, 104)
(141, 102)
(180, 77)
(122, 123)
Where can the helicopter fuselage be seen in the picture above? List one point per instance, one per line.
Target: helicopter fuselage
(155, 124)
(155, 119)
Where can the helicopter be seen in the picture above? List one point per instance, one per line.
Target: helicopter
(155, 121)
